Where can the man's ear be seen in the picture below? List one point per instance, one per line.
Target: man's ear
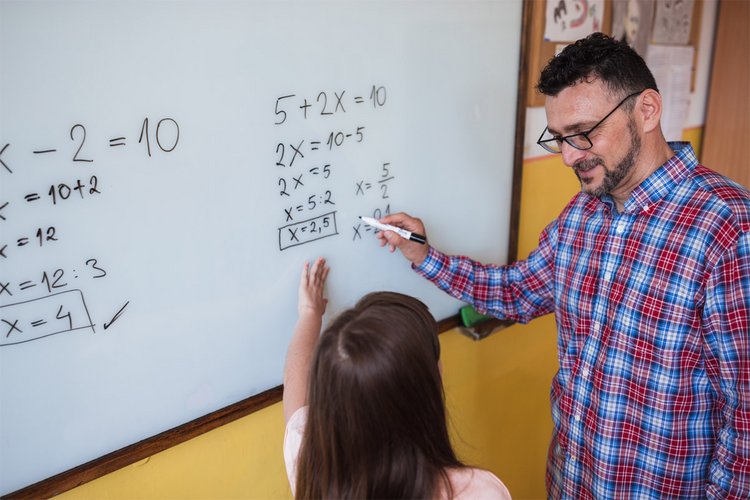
(648, 108)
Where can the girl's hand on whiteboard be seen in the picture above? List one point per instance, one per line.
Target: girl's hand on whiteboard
(415, 252)
(311, 289)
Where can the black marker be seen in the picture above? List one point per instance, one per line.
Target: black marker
(399, 231)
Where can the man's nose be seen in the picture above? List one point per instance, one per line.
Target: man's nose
(570, 154)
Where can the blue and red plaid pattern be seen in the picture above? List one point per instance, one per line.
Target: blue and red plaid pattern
(652, 396)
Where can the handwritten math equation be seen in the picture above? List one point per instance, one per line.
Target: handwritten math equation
(310, 171)
(58, 304)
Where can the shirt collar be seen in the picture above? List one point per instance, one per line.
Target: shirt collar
(660, 183)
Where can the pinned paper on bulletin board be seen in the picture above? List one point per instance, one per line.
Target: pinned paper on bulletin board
(673, 22)
(541, 49)
(631, 22)
(672, 67)
(569, 20)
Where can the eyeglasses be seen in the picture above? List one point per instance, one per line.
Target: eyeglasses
(580, 140)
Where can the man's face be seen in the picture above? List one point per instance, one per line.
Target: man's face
(608, 166)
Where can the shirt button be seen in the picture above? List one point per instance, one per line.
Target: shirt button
(585, 373)
(573, 458)
(577, 418)
(620, 228)
(596, 326)
(607, 276)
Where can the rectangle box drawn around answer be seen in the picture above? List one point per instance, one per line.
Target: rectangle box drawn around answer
(308, 230)
(35, 319)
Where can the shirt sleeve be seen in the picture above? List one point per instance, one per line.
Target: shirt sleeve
(520, 291)
(726, 327)
(293, 434)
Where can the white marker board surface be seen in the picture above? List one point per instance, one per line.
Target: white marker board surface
(167, 167)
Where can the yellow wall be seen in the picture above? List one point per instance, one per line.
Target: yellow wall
(497, 395)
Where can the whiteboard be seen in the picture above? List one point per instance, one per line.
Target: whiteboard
(166, 168)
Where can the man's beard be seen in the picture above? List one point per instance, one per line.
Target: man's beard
(611, 177)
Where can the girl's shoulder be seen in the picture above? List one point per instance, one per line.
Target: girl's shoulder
(476, 484)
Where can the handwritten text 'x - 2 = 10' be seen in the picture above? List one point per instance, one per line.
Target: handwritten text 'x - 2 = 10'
(24, 315)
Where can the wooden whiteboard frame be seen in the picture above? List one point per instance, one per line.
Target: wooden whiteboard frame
(141, 450)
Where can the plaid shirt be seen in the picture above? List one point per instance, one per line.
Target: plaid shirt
(652, 396)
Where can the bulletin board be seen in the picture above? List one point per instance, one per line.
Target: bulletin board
(541, 50)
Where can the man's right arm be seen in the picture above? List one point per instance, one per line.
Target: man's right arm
(521, 291)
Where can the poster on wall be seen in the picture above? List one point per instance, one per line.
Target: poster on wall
(631, 22)
(672, 69)
(672, 22)
(569, 20)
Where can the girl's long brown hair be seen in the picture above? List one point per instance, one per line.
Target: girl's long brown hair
(376, 423)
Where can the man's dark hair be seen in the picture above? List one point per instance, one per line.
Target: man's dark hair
(618, 66)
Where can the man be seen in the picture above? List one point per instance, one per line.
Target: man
(647, 270)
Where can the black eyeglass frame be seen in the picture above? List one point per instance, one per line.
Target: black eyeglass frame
(585, 135)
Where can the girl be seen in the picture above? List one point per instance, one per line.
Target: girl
(364, 403)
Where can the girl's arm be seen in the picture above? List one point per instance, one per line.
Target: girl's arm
(311, 306)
